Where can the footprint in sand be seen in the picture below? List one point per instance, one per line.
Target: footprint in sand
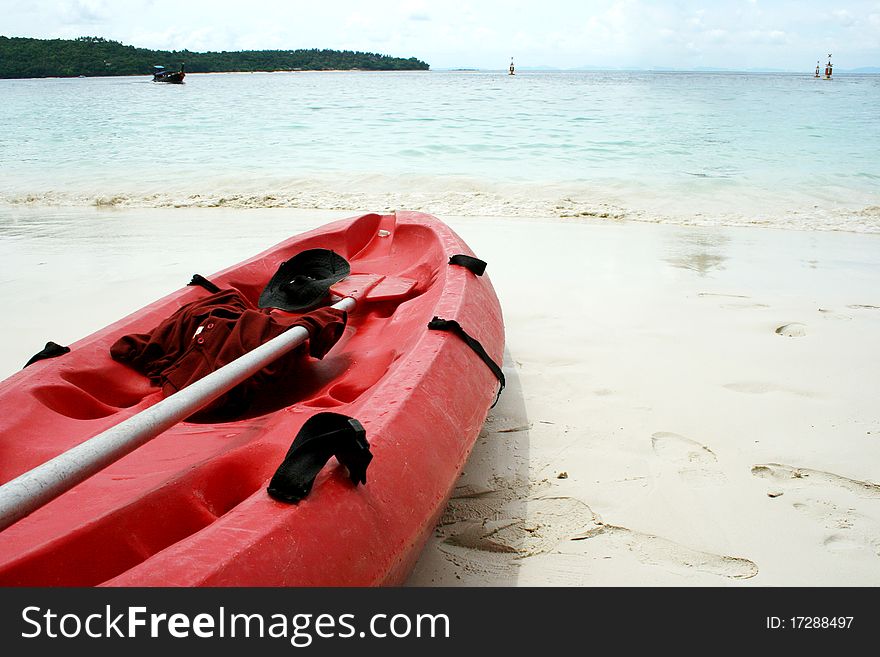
(847, 529)
(697, 464)
(492, 531)
(793, 330)
(548, 521)
(801, 477)
(669, 555)
(489, 530)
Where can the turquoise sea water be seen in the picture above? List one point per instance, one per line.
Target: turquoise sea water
(719, 148)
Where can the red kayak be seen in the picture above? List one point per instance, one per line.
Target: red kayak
(191, 508)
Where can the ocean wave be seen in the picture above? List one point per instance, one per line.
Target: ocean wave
(469, 197)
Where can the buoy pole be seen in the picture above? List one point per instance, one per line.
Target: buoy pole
(511, 67)
(817, 67)
(828, 68)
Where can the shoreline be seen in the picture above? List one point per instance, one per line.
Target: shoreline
(708, 393)
(189, 73)
(466, 197)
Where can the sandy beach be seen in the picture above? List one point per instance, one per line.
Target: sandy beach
(686, 405)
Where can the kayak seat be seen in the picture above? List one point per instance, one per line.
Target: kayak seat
(124, 392)
(72, 402)
(99, 389)
(365, 369)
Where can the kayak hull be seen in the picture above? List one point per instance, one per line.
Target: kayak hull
(190, 508)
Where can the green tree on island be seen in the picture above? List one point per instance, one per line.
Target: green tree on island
(94, 56)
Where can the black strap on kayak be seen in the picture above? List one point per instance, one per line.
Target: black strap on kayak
(51, 350)
(198, 279)
(323, 435)
(438, 324)
(475, 265)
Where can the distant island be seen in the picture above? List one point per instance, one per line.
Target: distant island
(95, 56)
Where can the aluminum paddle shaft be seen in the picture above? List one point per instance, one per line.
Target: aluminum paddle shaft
(35, 488)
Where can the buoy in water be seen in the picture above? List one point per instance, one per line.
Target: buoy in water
(511, 67)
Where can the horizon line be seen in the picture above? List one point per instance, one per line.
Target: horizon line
(655, 69)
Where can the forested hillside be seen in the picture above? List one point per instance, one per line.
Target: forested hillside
(92, 56)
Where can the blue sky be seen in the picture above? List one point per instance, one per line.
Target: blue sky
(783, 34)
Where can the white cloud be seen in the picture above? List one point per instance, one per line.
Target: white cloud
(83, 11)
(717, 35)
(768, 37)
(484, 33)
(843, 17)
(415, 10)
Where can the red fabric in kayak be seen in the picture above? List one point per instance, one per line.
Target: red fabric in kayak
(206, 334)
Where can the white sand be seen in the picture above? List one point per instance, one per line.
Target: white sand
(710, 393)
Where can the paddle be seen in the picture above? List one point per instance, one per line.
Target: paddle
(36, 488)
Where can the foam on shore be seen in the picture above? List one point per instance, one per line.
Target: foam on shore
(699, 203)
